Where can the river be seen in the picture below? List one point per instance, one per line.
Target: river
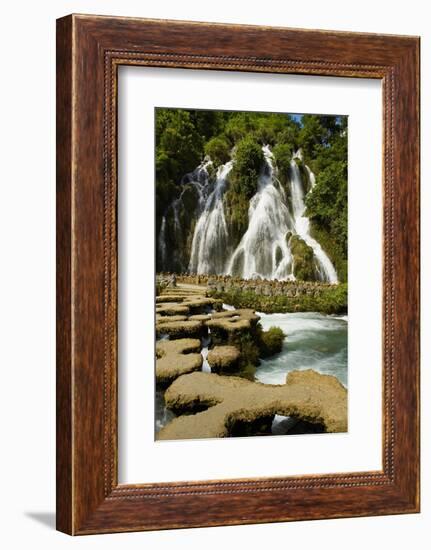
(314, 341)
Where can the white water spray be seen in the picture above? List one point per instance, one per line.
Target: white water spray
(210, 238)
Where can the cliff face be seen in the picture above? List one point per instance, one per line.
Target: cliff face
(244, 211)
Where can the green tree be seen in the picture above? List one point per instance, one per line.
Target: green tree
(218, 149)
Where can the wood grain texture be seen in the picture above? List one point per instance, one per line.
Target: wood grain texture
(90, 49)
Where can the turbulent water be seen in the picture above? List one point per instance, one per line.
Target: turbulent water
(314, 341)
(263, 250)
(275, 212)
(302, 225)
(210, 238)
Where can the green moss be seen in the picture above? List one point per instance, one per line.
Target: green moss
(283, 154)
(242, 185)
(303, 259)
(236, 213)
(332, 300)
(190, 198)
(270, 341)
(332, 249)
(212, 172)
(218, 149)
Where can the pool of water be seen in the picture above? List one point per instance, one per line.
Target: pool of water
(313, 341)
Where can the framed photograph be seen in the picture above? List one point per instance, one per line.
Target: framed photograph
(237, 274)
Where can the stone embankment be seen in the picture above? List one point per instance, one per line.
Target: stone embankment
(264, 287)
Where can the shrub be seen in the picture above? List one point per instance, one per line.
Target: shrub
(283, 155)
(303, 259)
(248, 162)
(218, 149)
(270, 341)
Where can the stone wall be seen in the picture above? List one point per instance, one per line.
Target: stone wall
(225, 283)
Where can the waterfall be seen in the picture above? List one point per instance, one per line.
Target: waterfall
(302, 227)
(162, 241)
(263, 250)
(311, 178)
(210, 238)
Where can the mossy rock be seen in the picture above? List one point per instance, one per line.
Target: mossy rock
(225, 323)
(332, 249)
(303, 259)
(177, 357)
(307, 395)
(271, 342)
(200, 317)
(222, 358)
(190, 199)
(173, 308)
(160, 319)
(180, 329)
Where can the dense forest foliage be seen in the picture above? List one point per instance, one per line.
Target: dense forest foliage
(185, 137)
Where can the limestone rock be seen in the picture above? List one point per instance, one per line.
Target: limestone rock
(200, 317)
(232, 320)
(307, 395)
(177, 357)
(180, 329)
(222, 358)
(174, 308)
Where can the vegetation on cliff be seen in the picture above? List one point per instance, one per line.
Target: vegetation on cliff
(183, 139)
(303, 259)
(330, 301)
(248, 158)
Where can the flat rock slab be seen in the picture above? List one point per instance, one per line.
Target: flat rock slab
(179, 329)
(160, 319)
(177, 357)
(307, 395)
(222, 358)
(233, 320)
(200, 317)
(167, 308)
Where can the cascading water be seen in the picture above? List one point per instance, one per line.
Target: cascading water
(302, 227)
(264, 249)
(210, 238)
(162, 241)
(198, 180)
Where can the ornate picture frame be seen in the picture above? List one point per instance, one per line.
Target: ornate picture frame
(89, 51)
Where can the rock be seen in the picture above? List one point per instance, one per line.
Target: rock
(200, 317)
(303, 260)
(222, 358)
(307, 395)
(160, 319)
(224, 323)
(180, 329)
(199, 304)
(174, 358)
(172, 309)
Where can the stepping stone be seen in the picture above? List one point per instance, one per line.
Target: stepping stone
(307, 395)
(177, 357)
(222, 358)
